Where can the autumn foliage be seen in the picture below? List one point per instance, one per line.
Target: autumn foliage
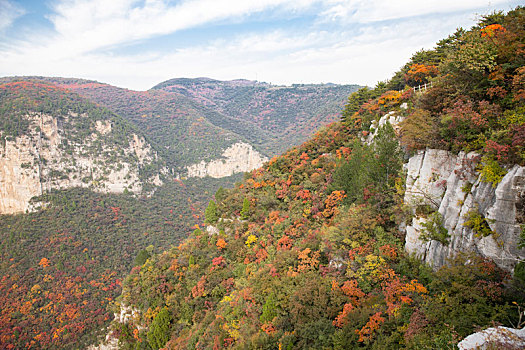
(306, 251)
(309, 253)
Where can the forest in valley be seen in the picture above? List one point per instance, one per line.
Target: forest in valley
(63, 266)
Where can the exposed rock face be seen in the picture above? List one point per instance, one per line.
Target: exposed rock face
(126, 315)
(391, 117)
(212, 230)
(45, 158)
(495, 338)
(427, 173)
(239, 157)
(19, 175)
(451, 185)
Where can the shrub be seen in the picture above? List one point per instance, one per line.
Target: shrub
(466, 188)
(141, 258)
(418, 130)
(491, 171)
(477, 222)
(433, 230)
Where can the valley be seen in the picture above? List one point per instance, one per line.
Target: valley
(209, 214)
(91, 175)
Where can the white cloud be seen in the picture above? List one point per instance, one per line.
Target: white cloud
(9, 12)
(365, 55)
(86, 25)
(366, 11)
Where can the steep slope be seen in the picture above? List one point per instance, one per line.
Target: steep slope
(309, 250)
(280, 116)
(53, 139)
(289, 264)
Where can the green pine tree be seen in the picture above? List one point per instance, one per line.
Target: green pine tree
(159, 330)
(388, 156)
(353, 175)
(220, 195)
(245, 211)
(211, 213)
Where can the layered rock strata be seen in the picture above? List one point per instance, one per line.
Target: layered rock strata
(46, 158)
(238, 158)
(440, 181)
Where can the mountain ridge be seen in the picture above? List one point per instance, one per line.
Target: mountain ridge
(292, 124)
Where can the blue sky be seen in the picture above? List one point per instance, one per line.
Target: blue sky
(139, 43)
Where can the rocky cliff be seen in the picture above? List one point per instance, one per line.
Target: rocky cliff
(46, 157)
(240, 157)
(480, 217)
(495, 338)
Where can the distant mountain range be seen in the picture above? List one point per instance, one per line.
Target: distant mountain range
(272, 117)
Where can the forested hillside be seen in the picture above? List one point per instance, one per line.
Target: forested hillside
(62, 266)
(308, 251)
(272, 117)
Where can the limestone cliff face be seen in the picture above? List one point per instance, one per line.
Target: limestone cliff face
(393, 118)
(239, 157)
(46, 158)
(494, 338)
(126, 315)
(450, 184)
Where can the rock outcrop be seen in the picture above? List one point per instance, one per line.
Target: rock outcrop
(440, 181)
(495, 338)
(126, 315)
(238, 158)
(46, 158)
(392, 118)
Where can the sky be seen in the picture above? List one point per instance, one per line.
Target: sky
(137, 44)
